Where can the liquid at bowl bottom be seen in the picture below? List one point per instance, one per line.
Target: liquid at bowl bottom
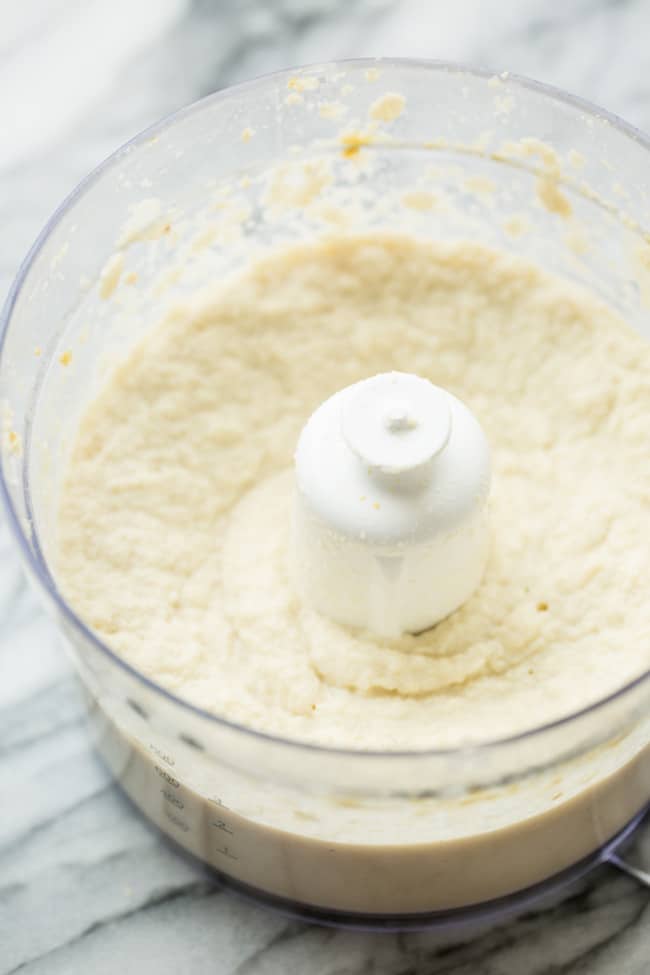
(394, 886)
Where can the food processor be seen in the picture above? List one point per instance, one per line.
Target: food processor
(390, 839)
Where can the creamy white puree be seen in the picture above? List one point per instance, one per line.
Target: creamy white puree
(173, 527)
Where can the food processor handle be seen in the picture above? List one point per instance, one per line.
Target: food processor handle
(642, 876)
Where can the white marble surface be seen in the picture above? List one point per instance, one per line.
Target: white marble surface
(86, 885)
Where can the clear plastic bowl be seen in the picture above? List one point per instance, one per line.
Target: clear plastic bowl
(432, 837)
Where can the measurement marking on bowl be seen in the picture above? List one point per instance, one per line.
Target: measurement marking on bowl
(226, 853)
(221, 824)
(170, 797)
(163, 756)
(176, 820)
(167, 777)
(218, 802)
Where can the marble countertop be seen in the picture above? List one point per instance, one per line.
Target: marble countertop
(85, 884)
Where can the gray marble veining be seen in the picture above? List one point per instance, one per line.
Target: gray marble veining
(85, 884)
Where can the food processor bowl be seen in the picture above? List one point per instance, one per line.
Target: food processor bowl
(394, 839)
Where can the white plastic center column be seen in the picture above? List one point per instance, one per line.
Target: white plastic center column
(390, 528)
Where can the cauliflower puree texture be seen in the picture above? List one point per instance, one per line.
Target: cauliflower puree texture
(175, 509)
